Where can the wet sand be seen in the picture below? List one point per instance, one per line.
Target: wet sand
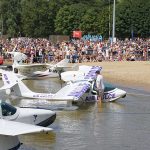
(132, 74)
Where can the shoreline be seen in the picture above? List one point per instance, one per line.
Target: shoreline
(133, 74)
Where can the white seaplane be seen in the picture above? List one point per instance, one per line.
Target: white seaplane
(36, 70)
(10, 130)
(14, 86)
(16, 121)
(88, 73)
(41, 117)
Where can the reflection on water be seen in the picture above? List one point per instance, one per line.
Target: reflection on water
(109, 107)
(38, 140)
(123, 125)
(38, 103)
(46, 85)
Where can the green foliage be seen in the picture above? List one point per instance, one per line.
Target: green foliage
(89, 22)
(69, 18)
(87, 19)
(37, 18)
(40, 18)
(133, 17)
(104, 22)
(10, 13)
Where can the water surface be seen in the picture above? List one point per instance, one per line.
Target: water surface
(122, 125)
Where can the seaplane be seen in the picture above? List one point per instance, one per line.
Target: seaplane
(10, 130)
(71, 92)
(88, 73)
(37, 70)
(16, 121)
(40, 117)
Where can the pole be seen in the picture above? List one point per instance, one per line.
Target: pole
(109, 18)
(113, 31)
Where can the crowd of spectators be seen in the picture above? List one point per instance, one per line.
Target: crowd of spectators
(43, 50)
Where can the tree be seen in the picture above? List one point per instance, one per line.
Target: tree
(37, 18)
(69, 18)
(132, 18)
(40, 18)
(89, 23)
(104, 21)
(10, 11)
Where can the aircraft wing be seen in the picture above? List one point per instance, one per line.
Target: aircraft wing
(38, 66)
(84, 73)
(72, 91)
(89, 71)
(12, 128)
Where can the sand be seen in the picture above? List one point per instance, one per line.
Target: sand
(126, 73)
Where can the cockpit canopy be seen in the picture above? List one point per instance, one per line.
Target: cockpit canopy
(108, 87)
(7, 109)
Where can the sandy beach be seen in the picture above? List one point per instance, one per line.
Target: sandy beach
(126, 73)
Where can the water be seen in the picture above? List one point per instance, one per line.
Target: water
(123, 125)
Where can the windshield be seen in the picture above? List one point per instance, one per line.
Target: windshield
(108, 87)
(7, 110)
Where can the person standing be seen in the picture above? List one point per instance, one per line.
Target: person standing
(99, 85)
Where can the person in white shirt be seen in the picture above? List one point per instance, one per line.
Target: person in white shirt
(99, 85)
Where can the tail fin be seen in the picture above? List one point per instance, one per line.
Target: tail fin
(10, 78)
(18, 57)
(62, 63)
(7, 82)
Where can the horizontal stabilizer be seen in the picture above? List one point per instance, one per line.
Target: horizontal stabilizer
(8, 86)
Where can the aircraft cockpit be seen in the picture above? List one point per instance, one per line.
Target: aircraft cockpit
(6, 109)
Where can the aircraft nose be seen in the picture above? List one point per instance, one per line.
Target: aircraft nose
(48, 121)
(124, 93)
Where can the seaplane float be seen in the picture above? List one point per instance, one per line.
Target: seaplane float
(36, 70)
(88, 73)
(16, 121)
